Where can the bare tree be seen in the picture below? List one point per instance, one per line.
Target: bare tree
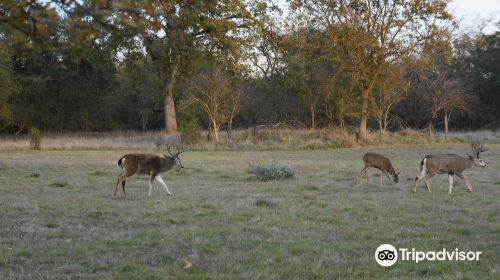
(447, 96)
(212, 90)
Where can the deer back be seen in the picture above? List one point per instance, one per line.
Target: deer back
(378, 161)
(145, 163)
(447, 164)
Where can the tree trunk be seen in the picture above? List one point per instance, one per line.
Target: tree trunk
(330, 113)
(216, 131)
(209, 133)
(385, 121)
(331, 121)
(380, 126)
(446, 125)
(342, 123)
(170, 118)
(145, 119)
(169, 105)
(430, 129)
(367, 89)
(230, 129)
(312, 111)
(363, 133)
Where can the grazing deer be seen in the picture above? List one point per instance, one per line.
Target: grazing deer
(450, 164)
(151, 165)
(381, 163)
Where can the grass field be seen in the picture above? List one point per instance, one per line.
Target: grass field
(66, 223)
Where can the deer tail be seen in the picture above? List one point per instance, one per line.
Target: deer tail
(120, 160)
(423, 163)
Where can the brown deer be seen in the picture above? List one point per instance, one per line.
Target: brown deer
(381, 163)
(148, 164)
(450, 164)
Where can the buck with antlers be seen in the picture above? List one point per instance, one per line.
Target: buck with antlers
(381, 163)
(450, 164)
(148, 164)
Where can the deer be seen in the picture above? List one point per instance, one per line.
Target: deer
(148, 164)
(450, 164)
(381, 163)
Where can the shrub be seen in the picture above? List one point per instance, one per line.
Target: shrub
(34, 134)
(189, 127)
(273, 172)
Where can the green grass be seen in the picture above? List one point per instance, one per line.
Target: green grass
(323, 224)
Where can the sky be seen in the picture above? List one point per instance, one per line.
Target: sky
(473, 11)
(470, 13)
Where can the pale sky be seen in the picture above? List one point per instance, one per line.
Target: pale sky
(474, 11)
(470, 12)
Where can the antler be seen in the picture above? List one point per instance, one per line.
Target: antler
(169, 152)
(179, 151)
(478, 148)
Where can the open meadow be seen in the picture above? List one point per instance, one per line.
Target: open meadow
(323, 224)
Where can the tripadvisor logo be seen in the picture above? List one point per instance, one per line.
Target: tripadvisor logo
(387, 255)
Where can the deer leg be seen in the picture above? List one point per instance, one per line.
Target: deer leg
(151, 178)
(160, 180)
(426, 180)
(415, 184)
(119, 180)
(387, 175)
(364, 172)
(117, 183)
(422, 174)
(461, 176)
(123, 187)
(450, 178)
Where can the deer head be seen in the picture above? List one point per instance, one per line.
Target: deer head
(395, 176)
(477, 149)
(175, 155)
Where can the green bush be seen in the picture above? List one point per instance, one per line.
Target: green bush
(189, 127)
(34, 134)
(273, 172)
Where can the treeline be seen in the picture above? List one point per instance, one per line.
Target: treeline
(190, 65)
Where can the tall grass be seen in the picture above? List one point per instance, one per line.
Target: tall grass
(245, 139)
(93, 141)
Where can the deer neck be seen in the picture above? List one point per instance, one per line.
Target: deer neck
(469, 162)
(168, 163)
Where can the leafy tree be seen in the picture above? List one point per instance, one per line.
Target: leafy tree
(172, 30)
(311, 68)
(388, 93)
(373, 34)
(139, 84)
(9, 85)
(483, 77)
